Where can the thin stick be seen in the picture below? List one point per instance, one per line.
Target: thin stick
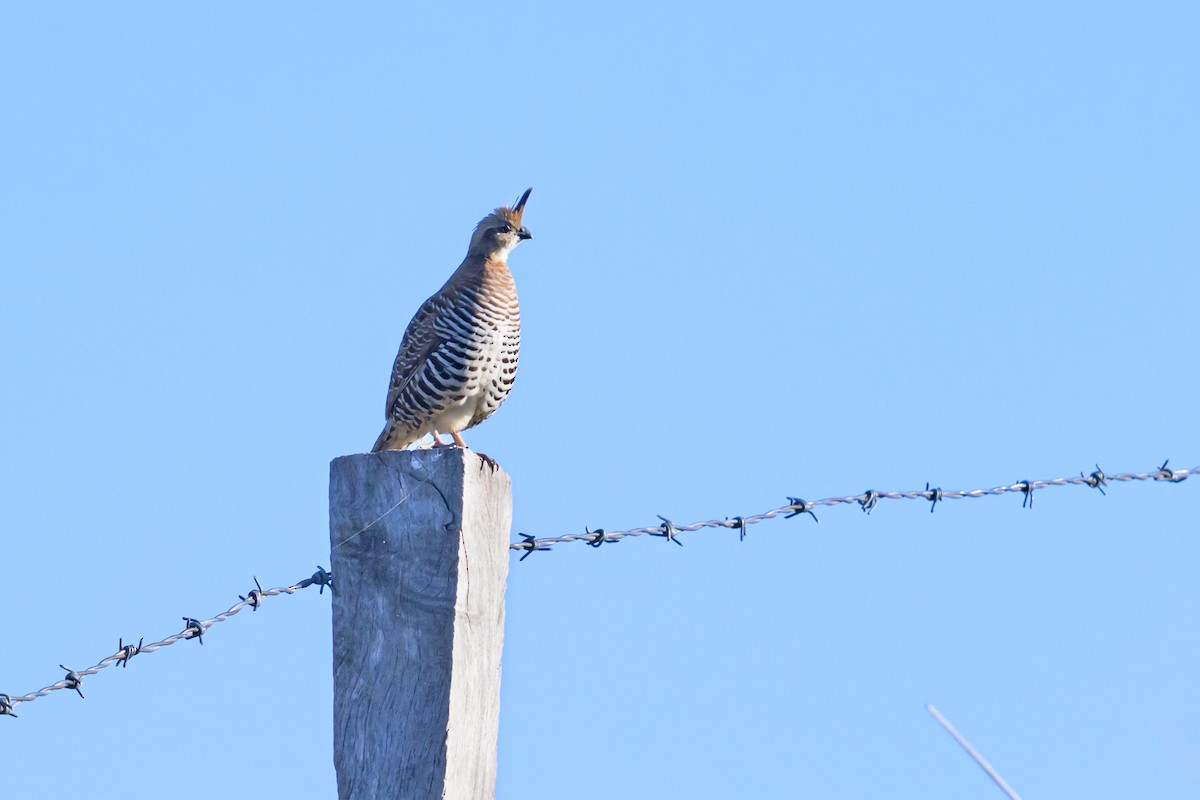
(1004, 787)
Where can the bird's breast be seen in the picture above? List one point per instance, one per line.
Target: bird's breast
(481, 332)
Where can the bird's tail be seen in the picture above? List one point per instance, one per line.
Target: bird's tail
(393, 438)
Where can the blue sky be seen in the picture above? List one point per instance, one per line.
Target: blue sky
(780, 249)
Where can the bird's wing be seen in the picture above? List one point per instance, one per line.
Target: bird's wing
(420, 340)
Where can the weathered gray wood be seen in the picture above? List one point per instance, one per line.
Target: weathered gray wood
(420, 560)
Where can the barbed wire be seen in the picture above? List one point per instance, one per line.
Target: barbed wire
(867, 500)
(193, 629)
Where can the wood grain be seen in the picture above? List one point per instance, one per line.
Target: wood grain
(420, 557)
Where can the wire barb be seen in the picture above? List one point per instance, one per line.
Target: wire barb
(1173, 476)
(668, 529)
(73, 680)
(1027, 488)
(531, 546)
(193, 629)
(869, 500)
(6, 706)
(128, 651)
(934, 496)
(319, 578)
(799, 507)
(598, 537)
(740, 524)
(1097, 480)
(255, 597)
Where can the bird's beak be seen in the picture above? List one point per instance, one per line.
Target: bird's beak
(524, 234)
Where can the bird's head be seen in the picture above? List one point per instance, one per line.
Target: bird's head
(499, 232)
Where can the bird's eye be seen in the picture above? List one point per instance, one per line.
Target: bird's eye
(505, 229)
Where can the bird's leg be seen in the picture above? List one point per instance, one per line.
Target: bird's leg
(437, 442)
(486, 459)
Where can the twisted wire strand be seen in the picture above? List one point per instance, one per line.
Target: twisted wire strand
(667, 529)
(868, 500)
(194, 629)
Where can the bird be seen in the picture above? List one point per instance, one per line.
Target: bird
(458, 358)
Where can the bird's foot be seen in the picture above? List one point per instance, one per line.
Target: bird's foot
(484, 459)
(488, 461)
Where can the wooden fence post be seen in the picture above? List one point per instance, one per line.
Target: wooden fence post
(419, 544)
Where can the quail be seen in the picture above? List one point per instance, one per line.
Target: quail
(458, 359)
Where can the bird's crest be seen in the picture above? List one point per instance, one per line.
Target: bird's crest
(512, 215)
